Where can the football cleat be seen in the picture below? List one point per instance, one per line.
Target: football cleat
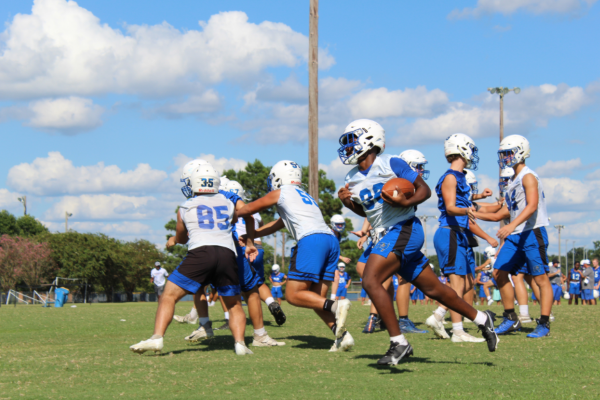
(186, 319)
(342, 344)
(340, 317)
(490, 302)
(487, 330)
(540, 330)
(265, 341)
(552, 317)
(277, 313)
(437, 326)
(224, 327)
(371, 324)
(155, 345)
(241, 349)
(508, 325)
(203, 332)
(395, 353)
(525, 319)
(462, 337)
(407, 326)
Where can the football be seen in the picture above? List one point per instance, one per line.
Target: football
(403, 185)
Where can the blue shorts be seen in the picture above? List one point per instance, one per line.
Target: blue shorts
(276, 292)
(526, 248)
(405, 239)
(365, 255)
(417, 295)
(248, 276)
(557, 290)
(342, 292)
(575, 289)
(363, 294)
(453, 251)
(314, 258)
(481, 292)
(259, 264)
(587, 294)
(519, 270)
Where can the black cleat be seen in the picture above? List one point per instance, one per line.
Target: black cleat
(487, 331)
(395, 354)
(277, 313)
(224, 327)
(380, 324)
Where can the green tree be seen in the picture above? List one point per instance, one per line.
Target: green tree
(29, 226)
(176, 253)
(137, 259)
(8, 224)
(253, 179)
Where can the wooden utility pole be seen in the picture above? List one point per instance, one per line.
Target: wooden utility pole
(282, 249)
(313, 101)
(275, 248)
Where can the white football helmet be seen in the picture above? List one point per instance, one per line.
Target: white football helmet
(275, 268)
(284, 173)
(464, 146)
(235, 187)
(338, 223)
(205, 179)
(341, 266)
(224, 182)
(188, 168)
(471, 180)
(416, 160)
(490, 252)
(505, 176)
(513, 150)
(359, 137)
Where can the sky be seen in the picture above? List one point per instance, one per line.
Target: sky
(102, 102)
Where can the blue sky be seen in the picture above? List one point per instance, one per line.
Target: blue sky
(102, 102)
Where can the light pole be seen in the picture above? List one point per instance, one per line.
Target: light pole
(424, 219)
(313, 100)
(573, 252)
(67, 216)
(502, 91)
(23, 199)
(559, 227)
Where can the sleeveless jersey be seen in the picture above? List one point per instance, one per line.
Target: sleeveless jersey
(300, 213)
(366, 189)
(344, 278)
(597, 275)
(575, 276)
(208, 221)
(516, 202)
(485, 276)
(240, 225)
(463, 191)
(278, 278)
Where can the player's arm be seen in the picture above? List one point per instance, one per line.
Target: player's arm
(478, 280)
(476, 230)
(284, 280)
(249, 220)
(348, 284)
(269, 228)
(530, 185)
(181, 233)
(449, 197)
(554, 274)
(364, 231)
(267, 201)
(497, 216)
(482, 266)
(345, 195)
(483, 195)
(422, 193)
(271, 280)
(488, 207)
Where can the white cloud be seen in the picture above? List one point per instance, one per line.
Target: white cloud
(69, 116)
(593, 175)
(565, 194)
(220, 164)
(121, 228)
(55, 175)
(336, 170)
(205, 103)
(9, 202)
(63, 49)
(507, 7)
(103, 207)
(553, 169)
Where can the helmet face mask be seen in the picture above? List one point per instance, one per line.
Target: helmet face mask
(507, 159)
(359, 137)
(514, 149)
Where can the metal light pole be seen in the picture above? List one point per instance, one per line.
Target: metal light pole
(275, 248)
(67, 216)
(573, 252)
(23, 199)
(313, 101)
(559, 227)
(424, 219)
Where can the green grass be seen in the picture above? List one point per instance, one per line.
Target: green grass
(83, 353)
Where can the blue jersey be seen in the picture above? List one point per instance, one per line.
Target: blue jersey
(337, 235)
(463, 191)
(596, 275)
(575, 276)
(234, 199)
(443, 279)
(279, 278)
(484, 277)
(395, 282)
(344, 278)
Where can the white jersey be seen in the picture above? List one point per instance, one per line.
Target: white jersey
(516, 203)
(240, 226)
(300, 213)
(208, 221)
(366, 191)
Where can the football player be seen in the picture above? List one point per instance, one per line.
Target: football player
(344, 280)
(277, 279)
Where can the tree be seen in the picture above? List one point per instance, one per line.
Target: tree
(176, 253)
(8, 224)
(24, 260)
(138, 259)
(253, 179)
(29, 226)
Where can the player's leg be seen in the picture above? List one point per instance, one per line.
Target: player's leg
(522, 297)
(166, 307)
(261, 338)
(237, 322)
(225, 326)
(204, 330)
(402, 301)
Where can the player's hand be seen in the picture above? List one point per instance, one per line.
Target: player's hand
(359, 233)
(505, 231)
(500, 200)
(486, 193)
(251, 253)
(360, 243)
(171, 242)
(470, 214)
(345, 259)
(399, 200)
(345, 194)
(493, 242)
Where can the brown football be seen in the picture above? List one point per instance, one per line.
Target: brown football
(403, 185)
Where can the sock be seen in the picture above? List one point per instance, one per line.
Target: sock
(330, 305)
(269, 301)
(440, 313)
(333, 328)
(489, 297)
(204, 320)
(227, 316)
(544, 319)
(260, 332)
(524, 310)
(403, 317)
(194, 313)
(333, 296)
(400, 339)
(480, 318)
(509, 311)
(457, 326)
(155, 337)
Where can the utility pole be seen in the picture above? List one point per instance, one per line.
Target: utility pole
(282, 249)
(275, 248)
(67, 216)
(23, 199)
(560, 228)
(313, 101)
(424, 219)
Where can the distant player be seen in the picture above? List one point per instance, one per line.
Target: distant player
(587, 283)
(157, 277)
(338, 225)
(398, 233)
(555, 276)
(314, 259)
(574, 284)
(277, 279)
(596, 278)
(343, 282)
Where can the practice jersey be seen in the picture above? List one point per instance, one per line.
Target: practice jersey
(597, 275)
(485, 276)
(278, 278)
(516, 202)
(300, 213)
(463, 191)
(344, 278)
(366, 187)
(443, 279)
(575, 276)
(208, 221)
(240, 225)
(395, 282)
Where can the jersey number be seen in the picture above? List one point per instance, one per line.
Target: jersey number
(207, 182)
(207, 215)
(306, 198)
(369, 197)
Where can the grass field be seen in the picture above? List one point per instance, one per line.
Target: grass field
(83, 353)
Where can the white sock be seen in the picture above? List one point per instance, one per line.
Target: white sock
(399, 339)
(227, 315)
(204, 320)
(524, 310)
(457, 326)
(269, 301)
(155, 337)
(489, 297)
(480, 318)
(333, 296)
(440, 313)
(260, 332)
(194, 313)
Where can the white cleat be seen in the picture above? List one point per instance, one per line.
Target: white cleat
(343, 344)
(462, 336)
(551, 317)
(266, 341)
(186, 319)
(202, 333)
(241, 349)
(525, 319)
(340, 317)
(437, 326)
(155, 345)
(490, 302)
